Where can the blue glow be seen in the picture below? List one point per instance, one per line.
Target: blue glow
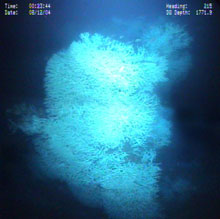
(103, 125)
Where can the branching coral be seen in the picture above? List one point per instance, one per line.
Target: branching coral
(103, 125)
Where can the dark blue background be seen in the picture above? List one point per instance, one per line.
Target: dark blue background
(26, 44)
